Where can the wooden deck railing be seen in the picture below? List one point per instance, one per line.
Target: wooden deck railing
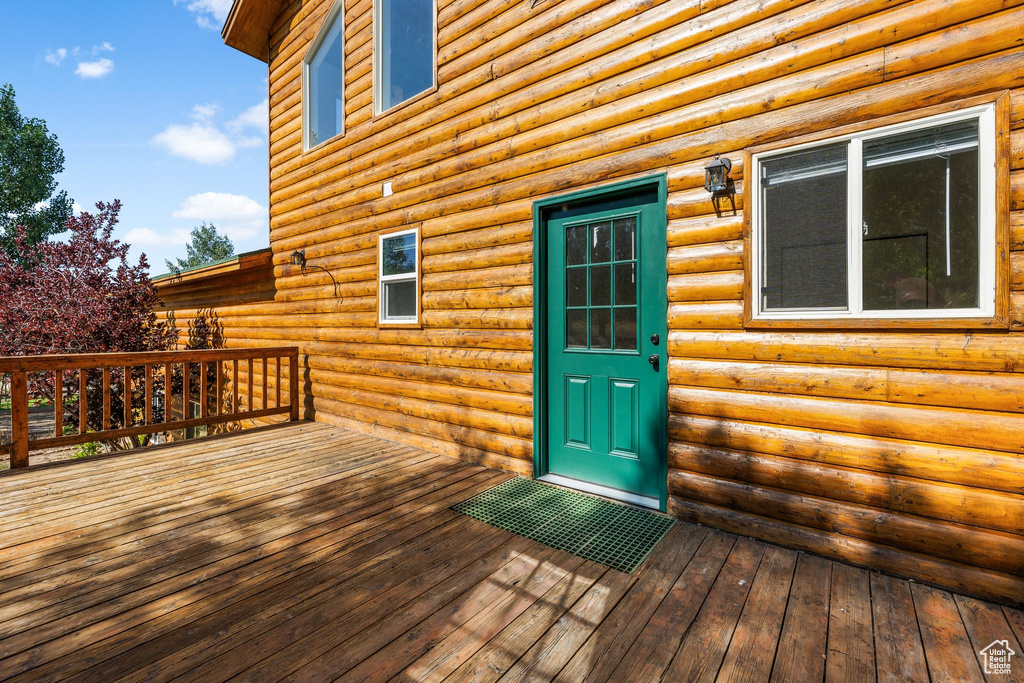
(137, 393)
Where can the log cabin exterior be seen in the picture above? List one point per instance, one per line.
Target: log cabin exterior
(821, 394)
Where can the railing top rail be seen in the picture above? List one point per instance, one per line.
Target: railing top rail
(90, 361)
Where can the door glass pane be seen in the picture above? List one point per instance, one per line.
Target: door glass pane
(576, 287)
(600, 242)
(399, 254)
(625, 329)
(406, 52)
(625, 284)
(600, 328)
(600, 285)
(921, 230)
(805, 229)
(576, 245)
(625, 239)
(576, 328)
(326, 80)
(400, 299)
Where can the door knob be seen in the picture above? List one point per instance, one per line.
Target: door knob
(654, 360)
(655, 339)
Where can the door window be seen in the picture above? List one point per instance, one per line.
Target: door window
(601, 285)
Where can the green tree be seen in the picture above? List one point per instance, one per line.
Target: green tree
(29, 159)
(205, 246)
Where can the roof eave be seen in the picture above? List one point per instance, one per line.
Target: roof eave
(247, 27)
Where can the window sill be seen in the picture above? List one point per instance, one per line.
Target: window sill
(415, 325)
(996, 322)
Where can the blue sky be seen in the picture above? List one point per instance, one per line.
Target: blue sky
(150, 107)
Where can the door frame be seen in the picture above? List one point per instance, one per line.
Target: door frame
(540, 311)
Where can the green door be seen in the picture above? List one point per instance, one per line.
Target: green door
(606, 328)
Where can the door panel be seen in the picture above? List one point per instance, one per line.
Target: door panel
(606, 315)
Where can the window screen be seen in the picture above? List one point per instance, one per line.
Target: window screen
(805, 236)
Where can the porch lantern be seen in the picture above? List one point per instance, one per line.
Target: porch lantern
(716, 175)
(299, 258)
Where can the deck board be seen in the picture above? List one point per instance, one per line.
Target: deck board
(307, 552)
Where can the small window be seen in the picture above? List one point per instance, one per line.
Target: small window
(897, 222)
(399, 271)
(405, 52)
(323, 77)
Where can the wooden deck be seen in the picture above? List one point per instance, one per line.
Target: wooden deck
(306, 552)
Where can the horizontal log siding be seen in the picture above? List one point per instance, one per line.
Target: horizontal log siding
(902, 450)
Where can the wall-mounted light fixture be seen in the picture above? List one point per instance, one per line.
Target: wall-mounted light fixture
(298, 258)
(716, 175)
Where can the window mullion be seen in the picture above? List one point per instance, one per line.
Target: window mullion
(855, 213)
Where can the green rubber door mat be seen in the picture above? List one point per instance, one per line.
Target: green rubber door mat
(618, 536)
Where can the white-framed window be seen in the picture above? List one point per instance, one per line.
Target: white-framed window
(398, 271)
(405, 51)
(896, 222)
(323, 82)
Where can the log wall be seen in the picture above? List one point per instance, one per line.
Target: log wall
(900, 450)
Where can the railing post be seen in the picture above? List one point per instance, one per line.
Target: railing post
(19, 420)
(293, 385)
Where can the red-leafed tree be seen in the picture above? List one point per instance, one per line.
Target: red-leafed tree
(79, 295)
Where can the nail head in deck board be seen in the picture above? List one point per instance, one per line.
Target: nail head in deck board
(947, 647)
(500, 652)
(851, 649)
(402, 652)
(755, 641)
(899, 654)
(551, 652)
(601, 654)
(802, 645)
(359, 648)
(289, 645)
(654, 648)
(700, 655)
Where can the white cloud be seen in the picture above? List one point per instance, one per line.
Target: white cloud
(57, 56)
(97, 69)
(235, 215)
(205, 10)
(200, 142)
(253, 117)
(206, 142)
(102, 47)
(205, 112)
(146, 237)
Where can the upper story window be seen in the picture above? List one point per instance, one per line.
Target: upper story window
(405, 50)
(896, 222)
(399, 277)
(323, 81)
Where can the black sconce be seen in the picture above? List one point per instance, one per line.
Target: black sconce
(716, 175)
(298, 258)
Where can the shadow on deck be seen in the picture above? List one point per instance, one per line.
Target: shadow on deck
(313, 553)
